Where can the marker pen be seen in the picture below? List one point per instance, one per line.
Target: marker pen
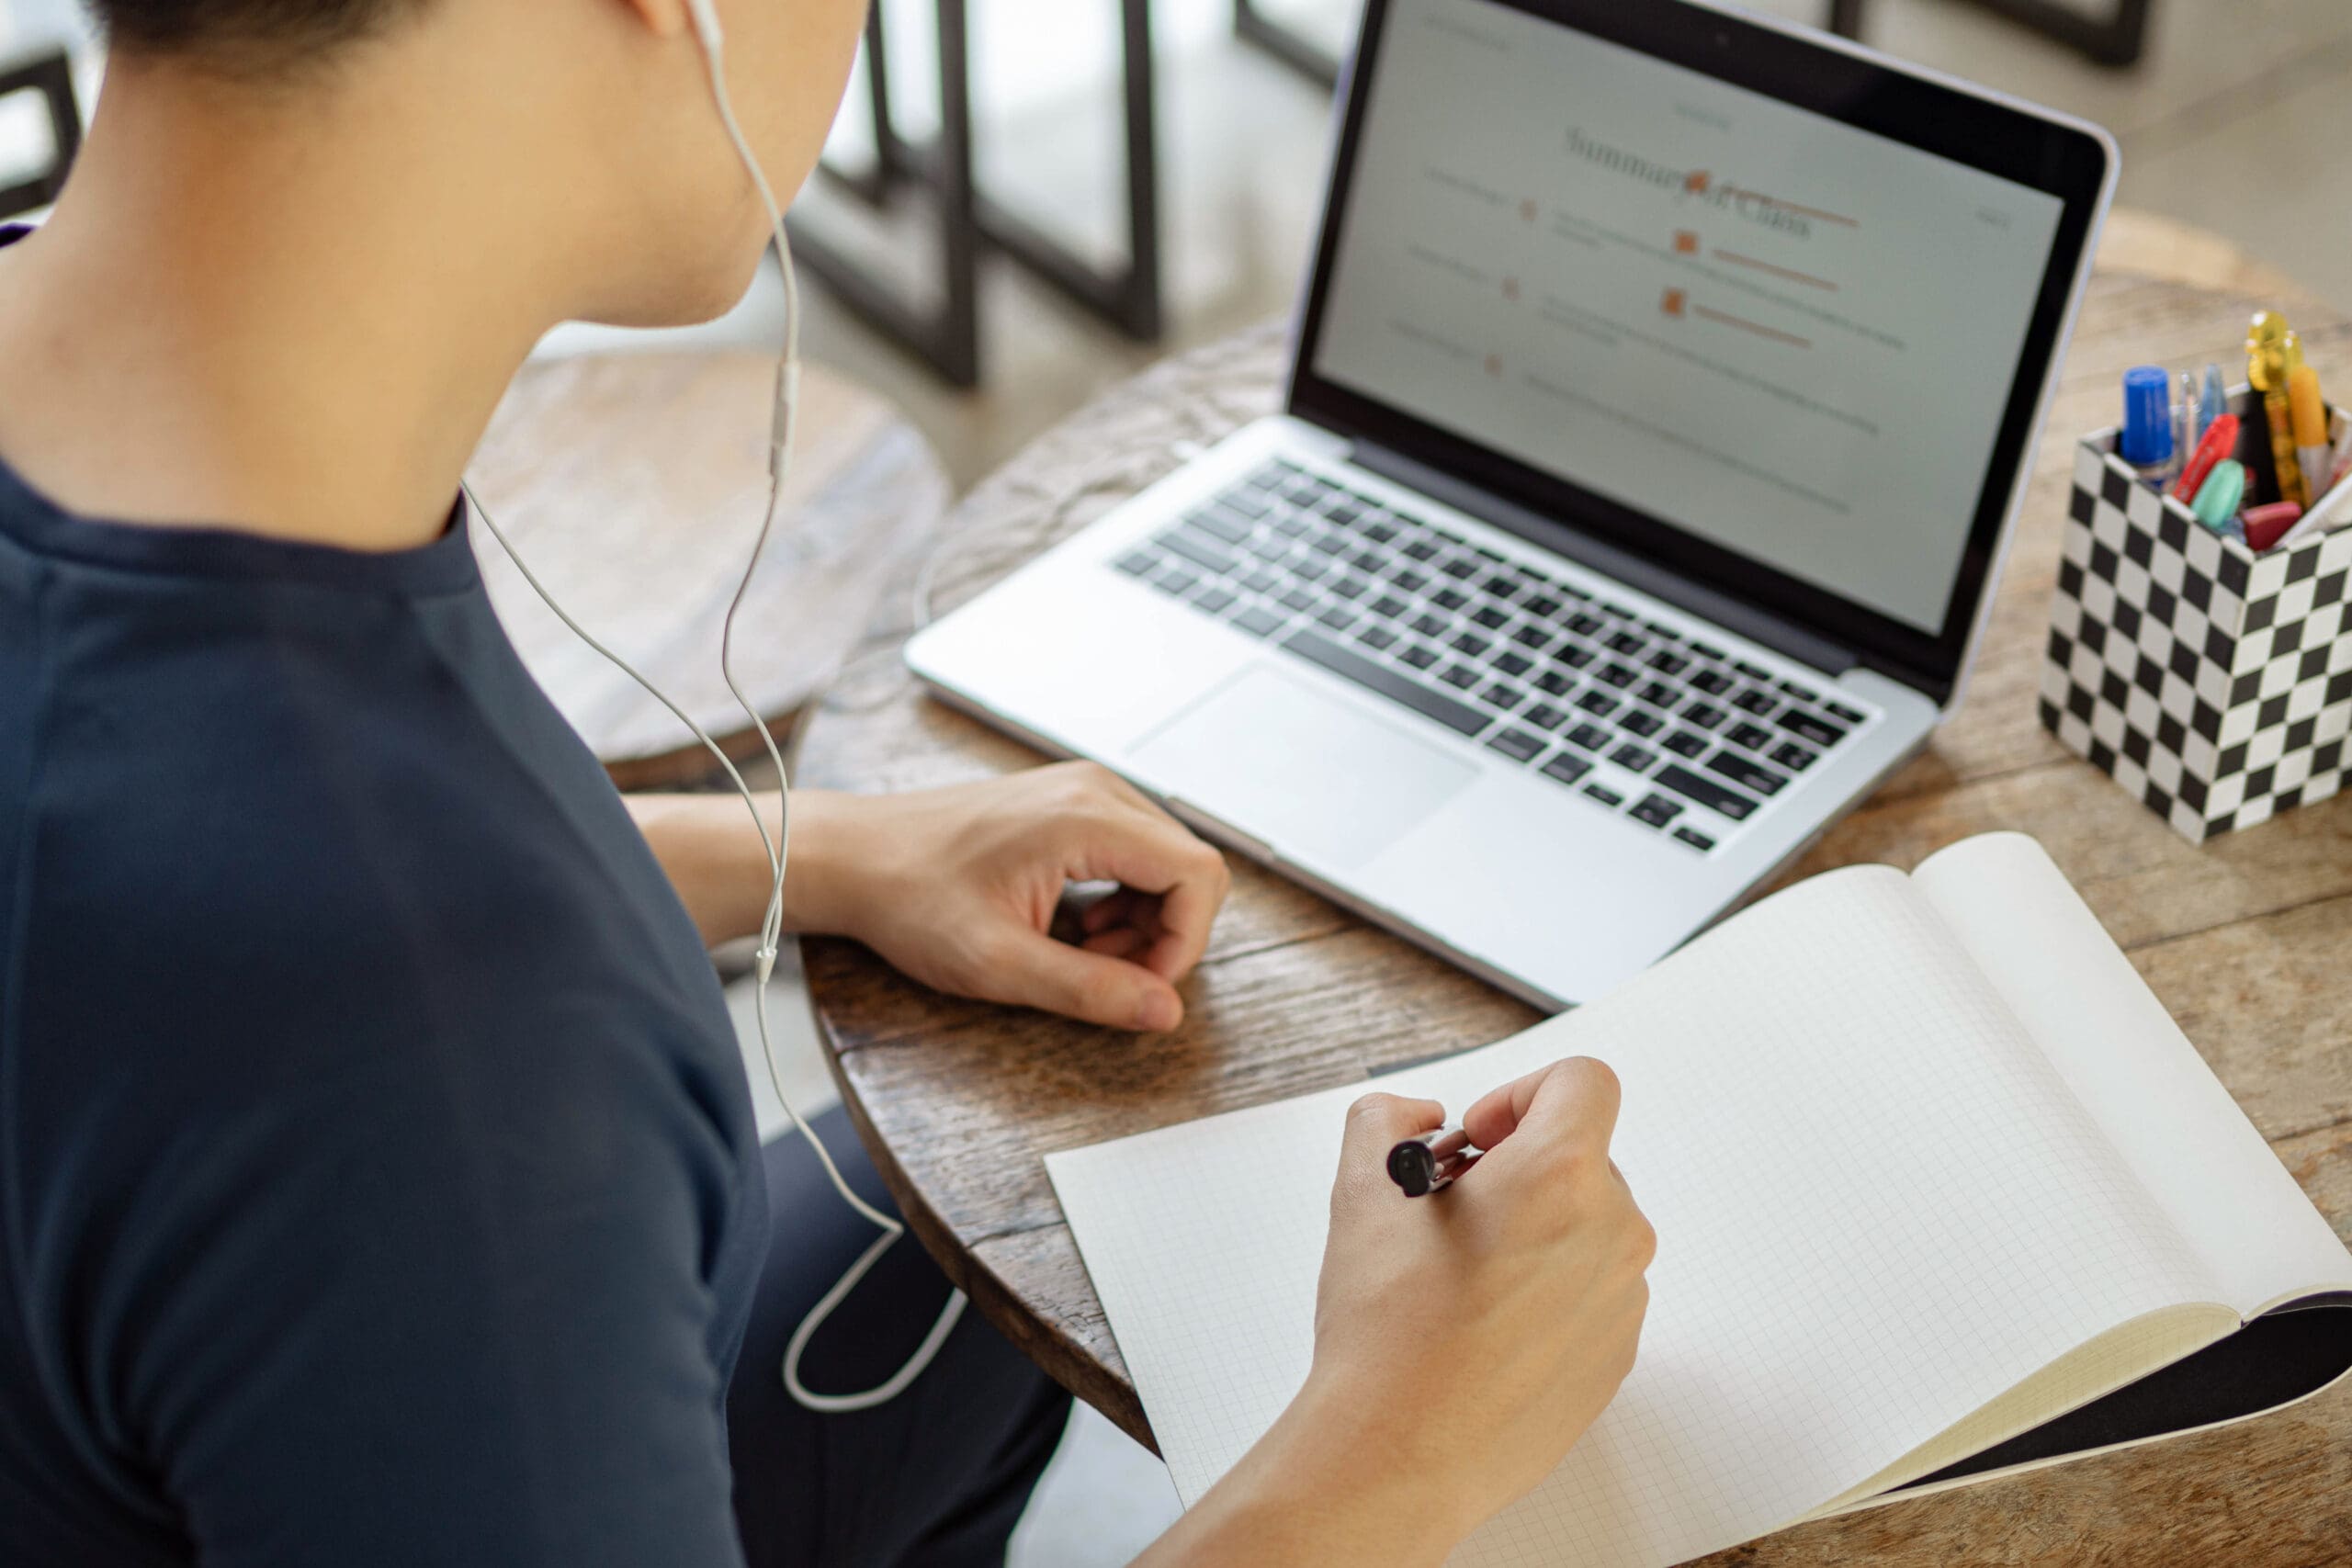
(2212, 400)
(2146, 441)
(2266, 526)
(2272, 351)
(2220, 439)
(1422, 1164)
(2219, 497)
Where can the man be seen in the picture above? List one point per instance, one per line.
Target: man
(378, 1180)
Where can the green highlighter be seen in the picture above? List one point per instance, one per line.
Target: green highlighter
(2219, 497)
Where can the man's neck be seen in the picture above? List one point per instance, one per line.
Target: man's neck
(296, 329)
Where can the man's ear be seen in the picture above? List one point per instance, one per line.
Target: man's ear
(664, 18)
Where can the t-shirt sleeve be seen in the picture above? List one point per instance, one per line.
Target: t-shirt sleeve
(455, 1312)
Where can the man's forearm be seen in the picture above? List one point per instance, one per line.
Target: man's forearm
(713, 855)
(1314, 1492)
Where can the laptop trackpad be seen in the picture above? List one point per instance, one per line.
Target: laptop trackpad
(1305, 772)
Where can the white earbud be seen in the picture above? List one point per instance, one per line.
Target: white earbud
(711, 36)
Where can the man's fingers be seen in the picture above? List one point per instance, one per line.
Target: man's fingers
(1034, 970)
(1378, 1121)
(1155, 854)
(1573, 1101)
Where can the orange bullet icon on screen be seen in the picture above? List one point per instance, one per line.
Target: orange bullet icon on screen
(1686, 243)
(1674, 302)
(1696, 182)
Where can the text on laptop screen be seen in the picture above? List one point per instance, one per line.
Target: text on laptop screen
(1781, 334)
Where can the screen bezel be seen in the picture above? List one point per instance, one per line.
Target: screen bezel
(2064, 160)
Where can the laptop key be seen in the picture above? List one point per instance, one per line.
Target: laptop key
(1715, 683)
(1421, 656)
(1317, 648)
(1261, 581)
(1576, 655)
(1533, 635)
(1351, 588)
(1388, 607)
(1695, 839)
(1491, 616)
(1746, 771)
(1214, 599)
(1502, 695)
(1660, 694)
(1703, 715)
(1220, 524)
(1450, 598)
(1655, 811)
(1420, 549)
(1258, 621)
(1591, 736)
(1839, 710)
(1806, 725)
(1138, 563)
(1201, 551)
(1513, 663)
(1543, 716)
(1750, 736)
(1793, 757)
(1640, 721)
(1178, 582)
(1683, 743)
(1626, 642)
(1542, 605)
(1463, 676)
(1598, 703)
(1409, 580)
(1615, 675)
(1714, 797)
(1377, 637)
(1516, 744)
(1472, 644)
(1634, 758)
(1339, 618)
(1755, 700)
(1296, 599)
(1707, 649)
(1585, 626)
(1604, 795)
(1567, 767)
(1666, 661)
(1552, 683)
(1431, 625)
(1460, 566)
(1753, 672)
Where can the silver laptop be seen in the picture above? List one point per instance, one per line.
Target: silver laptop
(1660, 403)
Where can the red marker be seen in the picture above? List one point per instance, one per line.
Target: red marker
(2220, 439)
(2266, 526)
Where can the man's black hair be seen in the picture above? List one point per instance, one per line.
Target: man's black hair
(263, 34)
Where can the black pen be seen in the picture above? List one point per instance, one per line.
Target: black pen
(1422, 1164)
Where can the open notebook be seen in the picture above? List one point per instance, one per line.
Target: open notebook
(1930, 1167)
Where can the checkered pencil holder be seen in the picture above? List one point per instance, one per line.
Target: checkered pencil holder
(2212, 682)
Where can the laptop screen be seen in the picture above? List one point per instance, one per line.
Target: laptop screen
(1795, 340)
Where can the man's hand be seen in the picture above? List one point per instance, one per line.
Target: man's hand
(958, 888)
(1463, 1341)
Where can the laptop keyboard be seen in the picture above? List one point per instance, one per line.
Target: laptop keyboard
(1664, 728)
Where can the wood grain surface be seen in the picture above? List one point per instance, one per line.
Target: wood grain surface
(2247, 940)
(633, 484)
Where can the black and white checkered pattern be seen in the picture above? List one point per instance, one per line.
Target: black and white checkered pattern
(2212, 682)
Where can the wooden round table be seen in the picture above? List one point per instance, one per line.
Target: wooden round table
(2248, 941)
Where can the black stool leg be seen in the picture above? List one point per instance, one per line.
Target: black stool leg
(1252, 26)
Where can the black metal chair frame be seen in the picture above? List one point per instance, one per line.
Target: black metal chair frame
(947, 336)
(2119, 40)
(51, 75)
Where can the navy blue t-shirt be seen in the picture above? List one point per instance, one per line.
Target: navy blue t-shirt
(378, 1181)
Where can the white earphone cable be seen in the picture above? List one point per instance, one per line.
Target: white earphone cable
(777, 849)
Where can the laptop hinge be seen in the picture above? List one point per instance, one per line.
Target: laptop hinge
(1781, 636)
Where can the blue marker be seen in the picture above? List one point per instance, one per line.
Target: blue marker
(2146, 443)
(2212, 400)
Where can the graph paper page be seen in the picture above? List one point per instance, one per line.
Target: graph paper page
(2131, 1068)
(1877, 1207)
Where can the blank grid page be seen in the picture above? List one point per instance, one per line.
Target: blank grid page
(1877, 1207)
